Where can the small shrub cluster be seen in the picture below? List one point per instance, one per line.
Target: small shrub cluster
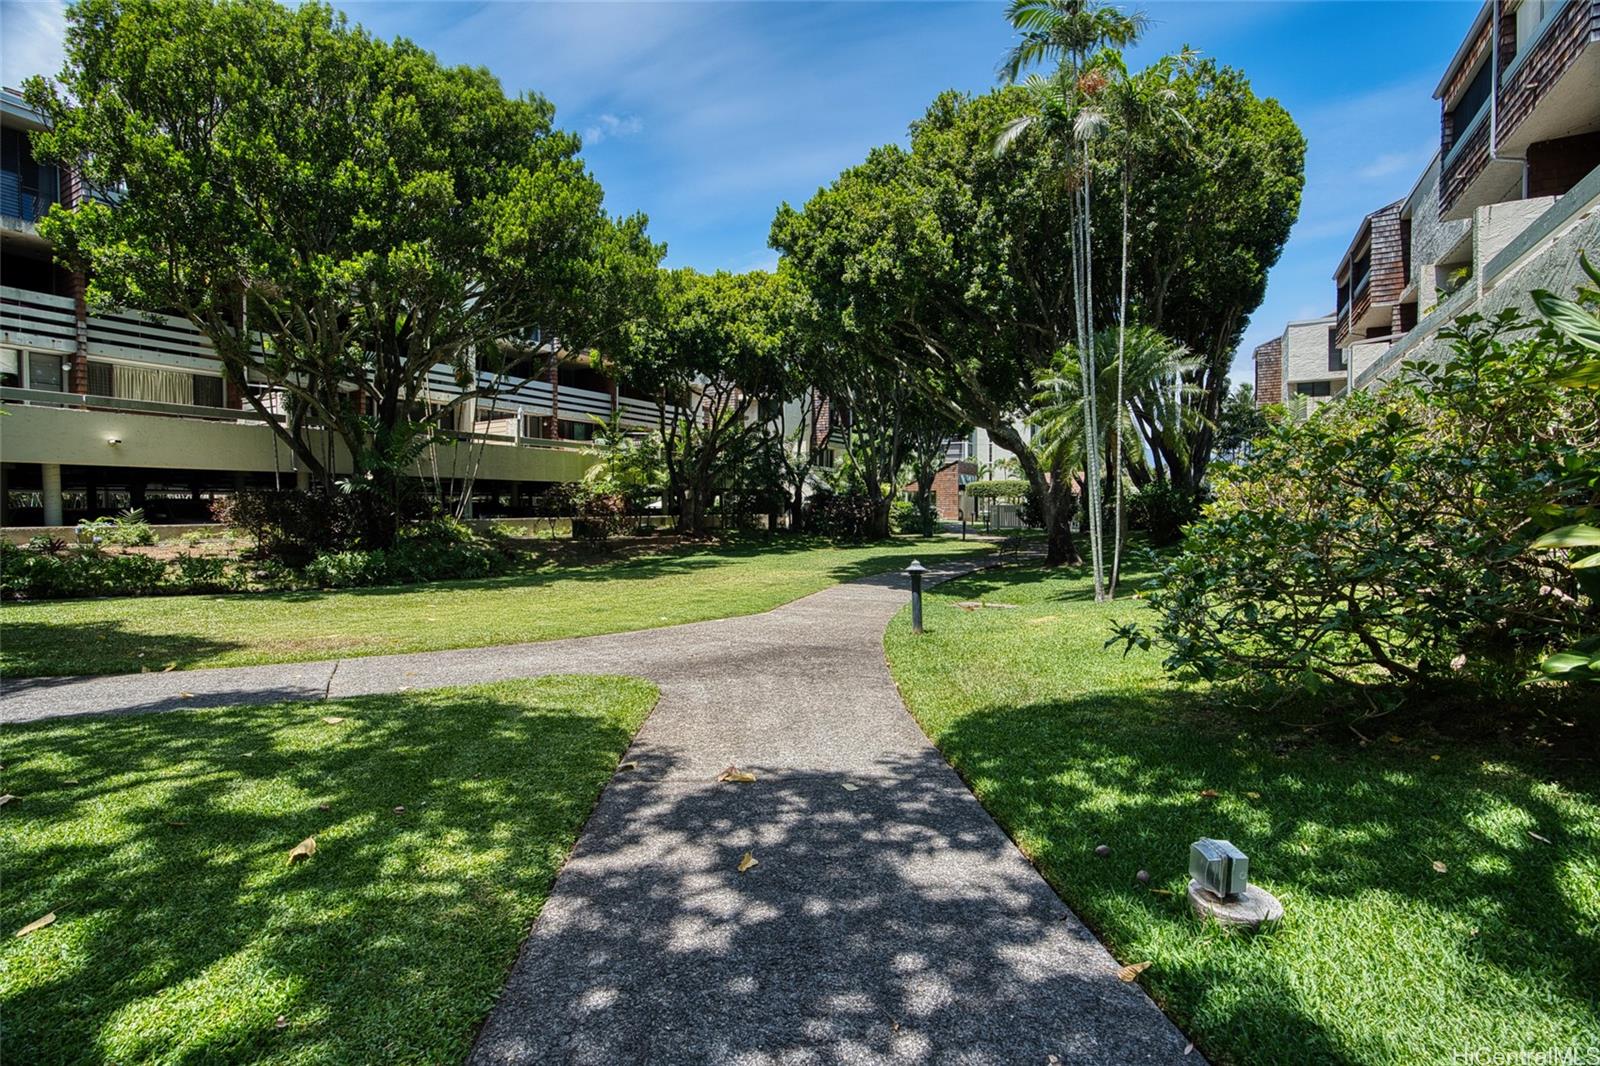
(841, 515)
(437, 550)
(599, 516)
(903, 517)
(128, 529)
(1162, 509)
(291, 526)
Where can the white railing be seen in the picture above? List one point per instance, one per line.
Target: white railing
(37, 320)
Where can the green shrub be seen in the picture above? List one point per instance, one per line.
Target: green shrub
(290, 525)
(1389, 539)
(352, 568)
(903, 517)
(200, 573)
(82, 572)
(1162, 510)
(128, 529)
(600, 515)
(841, 515)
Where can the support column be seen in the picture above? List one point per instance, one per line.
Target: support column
(302, 479)
(50, 483)
(78, 364)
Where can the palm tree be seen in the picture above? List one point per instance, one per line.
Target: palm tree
(1071, 35)
(1150, 366)
(1142, 109)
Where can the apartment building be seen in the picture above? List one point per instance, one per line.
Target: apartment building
(109, 409)
(1503, 208)
(1303, 360)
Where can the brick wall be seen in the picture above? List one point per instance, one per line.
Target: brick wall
(947, 488)
(1556, 166)
(1269, 371)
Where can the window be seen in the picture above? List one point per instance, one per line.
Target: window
(46, 372)
(100, 379)
(1313, 388)
(576, 430)
(207, 391)
(1531, 17)
(10, 368)
(1472, 101)
(27, 187)
(823, 457)
(1336, 357)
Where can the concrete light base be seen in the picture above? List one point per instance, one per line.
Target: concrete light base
(1250, 910)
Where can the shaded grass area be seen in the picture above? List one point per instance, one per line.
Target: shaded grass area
(547, 600)
(1381, 958)
(161, 842)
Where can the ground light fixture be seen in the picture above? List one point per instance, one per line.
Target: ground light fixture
(1220, 888)
(915, 572)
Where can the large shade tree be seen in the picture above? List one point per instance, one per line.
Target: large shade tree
(712, 352)
(946, 262)
(365, 213)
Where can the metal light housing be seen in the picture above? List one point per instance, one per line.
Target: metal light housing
(1219, 867)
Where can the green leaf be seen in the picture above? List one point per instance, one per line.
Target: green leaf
(1569, 319)
(1563, 663)
(1574, 536)
(1583, 376)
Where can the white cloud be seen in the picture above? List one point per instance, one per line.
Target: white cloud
(31, 32)
(1409, 162)
(612, 126)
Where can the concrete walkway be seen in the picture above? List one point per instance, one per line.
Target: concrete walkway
(889, 918)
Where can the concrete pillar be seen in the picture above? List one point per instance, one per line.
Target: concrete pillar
(50, 482)
(302, 479)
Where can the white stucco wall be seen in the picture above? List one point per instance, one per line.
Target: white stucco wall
(1305, 353)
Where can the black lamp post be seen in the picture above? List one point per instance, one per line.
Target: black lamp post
(915, 572)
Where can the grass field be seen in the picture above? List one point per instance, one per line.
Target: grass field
(546, 601)
(1383, 957)
(183, 933)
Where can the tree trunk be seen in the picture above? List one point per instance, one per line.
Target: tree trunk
(1116, 419)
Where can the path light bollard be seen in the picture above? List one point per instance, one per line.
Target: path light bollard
(915, 572)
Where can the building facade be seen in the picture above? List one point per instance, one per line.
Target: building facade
(1503, 208)
(112, 409)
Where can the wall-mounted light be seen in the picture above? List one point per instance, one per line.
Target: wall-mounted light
(113, 441)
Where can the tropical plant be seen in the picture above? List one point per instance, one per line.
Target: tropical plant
(628, 461)
(1069, 36)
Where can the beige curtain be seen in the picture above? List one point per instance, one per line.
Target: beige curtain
(145, 383)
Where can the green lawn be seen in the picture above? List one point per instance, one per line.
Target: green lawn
(548, 600)
(1381, 958)
(183, 934)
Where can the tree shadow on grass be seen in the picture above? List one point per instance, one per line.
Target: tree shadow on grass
(32, 649)
(1381, 957)
(183, 932)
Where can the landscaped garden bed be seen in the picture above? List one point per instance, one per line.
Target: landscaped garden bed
(1441, 877)
(185, 930)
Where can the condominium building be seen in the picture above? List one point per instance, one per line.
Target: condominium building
(108, 409)
(1502, 209)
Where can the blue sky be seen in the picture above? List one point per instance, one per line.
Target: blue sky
(707, 115)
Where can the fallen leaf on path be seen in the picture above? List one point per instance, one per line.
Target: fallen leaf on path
(1540, 839)
(303, 850)
(1253, 795)
(167, 669)
(1162, 891)
(1187, 1048)
(7, 798)
(629, 765)
(282, 1022)
(848, 787)
(1438, 867)
(36, 925)
(332, 719)
(1208, 793)
(748, 861)
(1435, 758)
(400, 809)
(186, 695)
(733, 773)
(324, 807)
(71, 781)
(1128, 973)
(1394, 739)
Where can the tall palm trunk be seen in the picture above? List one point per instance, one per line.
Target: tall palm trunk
(1084, 300)
(1116, 421)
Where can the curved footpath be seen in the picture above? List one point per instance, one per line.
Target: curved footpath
(889, 919)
